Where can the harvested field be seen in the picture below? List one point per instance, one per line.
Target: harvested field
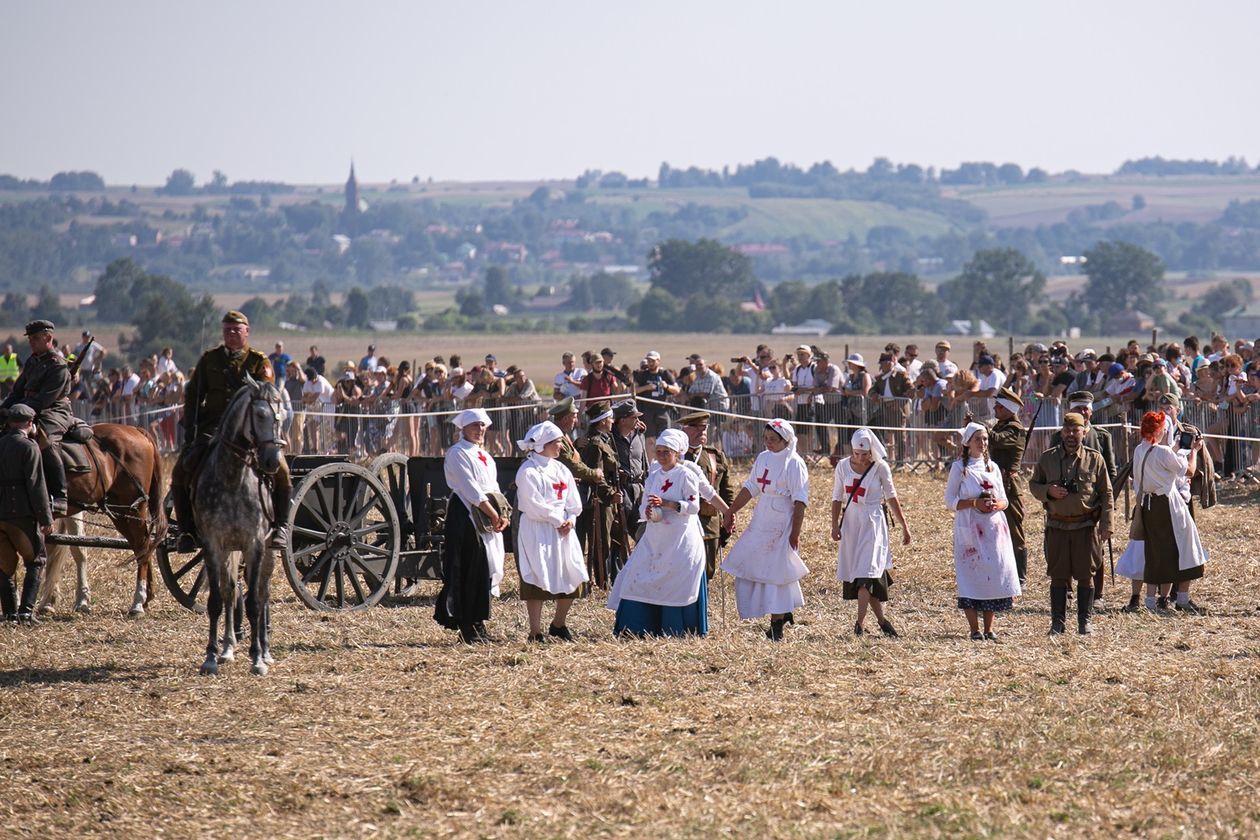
(380, 722)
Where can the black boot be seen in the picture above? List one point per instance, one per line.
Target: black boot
(281, 501)
(1134, 605)
(1084, 608)
(8, 598)
(1058, 610)
(1021, 565)
(30, 591)
(182, 503)
(775, 633)
(55, 479)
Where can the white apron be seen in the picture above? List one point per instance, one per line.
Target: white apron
(762, 553)
(1163, 473)
(471, 474)
(984, 560)
(547, 497)
(667, 564)
(864, 550)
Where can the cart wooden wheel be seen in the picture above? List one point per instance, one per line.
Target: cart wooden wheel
(183, 574)
(342, 552)
(391, 469)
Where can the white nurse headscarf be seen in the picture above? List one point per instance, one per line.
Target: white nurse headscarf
(675, 439)
(539, 436)
(864, 440)
(470, 415)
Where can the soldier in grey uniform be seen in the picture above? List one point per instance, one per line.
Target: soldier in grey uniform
(25, 514)
(44, 385)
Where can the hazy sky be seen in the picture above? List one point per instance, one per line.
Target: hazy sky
(514, 90)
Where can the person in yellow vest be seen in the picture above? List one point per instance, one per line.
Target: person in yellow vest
(10, 367)
(218, 375)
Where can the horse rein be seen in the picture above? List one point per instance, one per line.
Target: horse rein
(248, 455)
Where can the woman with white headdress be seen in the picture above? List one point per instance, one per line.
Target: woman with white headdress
(662, 589)
(766, 561)
(472, 558)
(548, 554)
(863, 484)
(984, 559)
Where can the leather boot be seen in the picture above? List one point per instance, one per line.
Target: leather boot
(1021, 564)
(182, 503)
(1058, 610)
(55, 479)
(775, 633)
(8, 598)
(1084, 608)
(281, 502)
(30, 591)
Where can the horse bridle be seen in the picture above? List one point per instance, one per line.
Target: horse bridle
(249, 454)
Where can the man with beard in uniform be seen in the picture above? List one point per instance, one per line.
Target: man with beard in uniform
(219, 374)
(717, 469)
(44, 385)
(599, 453)
(1082, 402)
(565, 415)
(1006, 446)
(25, 514)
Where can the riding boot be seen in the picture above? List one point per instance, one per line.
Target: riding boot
(1021, 564)
(1084, 607)
(55, 479)
(30, 591)
(8, 598)
(281, 501)
(182, 503)
(1058, 610)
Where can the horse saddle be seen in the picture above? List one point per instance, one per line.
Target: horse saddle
(74, 449)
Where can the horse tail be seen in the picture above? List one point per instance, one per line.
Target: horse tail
(157, 499)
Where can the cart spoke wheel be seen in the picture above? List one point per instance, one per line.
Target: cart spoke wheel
(183, 574)
(344, 538)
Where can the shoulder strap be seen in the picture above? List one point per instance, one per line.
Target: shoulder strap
(854, 490)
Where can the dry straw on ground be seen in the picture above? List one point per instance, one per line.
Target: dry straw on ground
(380, 722)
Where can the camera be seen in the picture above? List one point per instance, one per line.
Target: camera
(1187, 439)
(1071, 486)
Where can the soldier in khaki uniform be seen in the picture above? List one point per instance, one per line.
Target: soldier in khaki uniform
(1006, 446)
(1082, 402)
(717, 469)
(25, 514)
(220, 373)
(44, 385)
(1071, 482)
(599, 454)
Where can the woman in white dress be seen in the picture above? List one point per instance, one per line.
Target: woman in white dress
(984, 559)
(766, 561)
(863, 484)
(662, 589)
(548, 554)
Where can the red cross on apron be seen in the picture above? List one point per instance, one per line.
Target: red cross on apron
(984, 483)
(764, 481)
(481, 456)
(854, 490)
(668, 484)
(560, 488)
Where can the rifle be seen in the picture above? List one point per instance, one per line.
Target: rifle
(597, 562)
(78, 360)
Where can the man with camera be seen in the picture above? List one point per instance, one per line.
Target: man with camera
(1071, 482)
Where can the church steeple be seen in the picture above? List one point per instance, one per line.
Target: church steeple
(352, 193)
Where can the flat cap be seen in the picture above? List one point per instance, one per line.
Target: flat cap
(1170, 399)
(560, 409)
(695, 418)
(39, 327)
(21, 412)
(234, 317)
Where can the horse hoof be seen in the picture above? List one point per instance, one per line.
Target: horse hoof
(227, 656)
(83, 607)
(268, 658)
(259, 669)
(210, 668)
(134, 612)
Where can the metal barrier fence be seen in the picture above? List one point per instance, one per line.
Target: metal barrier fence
(918, 433)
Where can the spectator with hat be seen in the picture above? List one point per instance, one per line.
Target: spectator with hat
(655, 383)
(599, 382)
(609, 356)
(945, 367)
(857, 384)
(802, 376)
(891, 391)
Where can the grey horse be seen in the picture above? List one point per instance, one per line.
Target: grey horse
(231, 505)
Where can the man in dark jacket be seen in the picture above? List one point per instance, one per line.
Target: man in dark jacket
(44, 385)
(1007, 439)
(25, 513)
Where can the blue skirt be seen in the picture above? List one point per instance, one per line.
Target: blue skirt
(639, 619)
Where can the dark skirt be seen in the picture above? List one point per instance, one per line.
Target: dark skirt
(465, 596)
(1162, 555)
(636, 618)
(986, 604)
(878, 587)
(529, 592)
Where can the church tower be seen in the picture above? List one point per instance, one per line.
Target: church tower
(352, 194)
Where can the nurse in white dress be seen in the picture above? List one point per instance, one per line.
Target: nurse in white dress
(662, 589)
(863, 484)
(548, 553)
(984, 559)
(472, 564)
(766, 561)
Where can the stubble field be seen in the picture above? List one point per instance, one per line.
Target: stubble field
(381, 722)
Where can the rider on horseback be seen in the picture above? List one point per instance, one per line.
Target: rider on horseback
(44, 385)
(220, 372)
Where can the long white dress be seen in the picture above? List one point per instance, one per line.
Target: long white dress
(667, 564)
(1162, 472)
(767, 570)
(471, 474)
(984, 559)
(865, 550)
(547, 497)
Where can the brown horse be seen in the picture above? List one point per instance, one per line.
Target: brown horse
(125, 483)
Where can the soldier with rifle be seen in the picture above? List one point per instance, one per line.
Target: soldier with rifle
(565, 415)
(1007, 441)
(632, 470)
(600, 454)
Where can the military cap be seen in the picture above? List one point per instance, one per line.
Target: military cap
(597, 411)
(234, 317)
(695, 418)
(21, 413)
(39, 326)
(1074, 419)
(1170, 399)
(560, 409)
(626, 409)
(1080, 397)
(1010, 396)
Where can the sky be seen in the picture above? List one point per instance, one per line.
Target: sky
(475, 91)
